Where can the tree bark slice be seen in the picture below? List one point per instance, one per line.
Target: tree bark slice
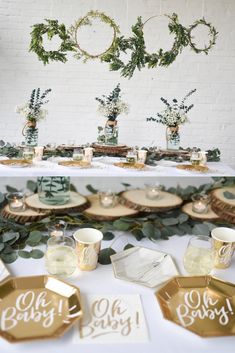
(96, 211)
(209, 216)
(26, 216)
(137, 200)
(77, 203)
(111, 150)
(224, 207)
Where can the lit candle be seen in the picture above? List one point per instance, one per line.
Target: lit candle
(16, 202)
(107, 199)
(57, 233)
(200, 203)
(153, 191)
(199, 207)
(38, 153)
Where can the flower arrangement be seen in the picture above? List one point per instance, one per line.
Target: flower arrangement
(175, 114)
(111, 106)
(32, 111)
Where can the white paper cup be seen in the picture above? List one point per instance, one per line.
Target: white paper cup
(223, 240)
(88, 242)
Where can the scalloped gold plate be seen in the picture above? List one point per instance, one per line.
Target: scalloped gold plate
(201, 304)
(37, 307)
(16, 163)
(193, 168)
(125, 165)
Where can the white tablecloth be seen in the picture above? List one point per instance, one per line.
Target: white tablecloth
(104, 167)
(164, 336)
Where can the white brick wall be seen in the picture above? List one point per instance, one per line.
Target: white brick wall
(72, 108)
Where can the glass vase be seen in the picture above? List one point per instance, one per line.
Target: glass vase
(111, 133)
(31, 136)
(172, 138)
(54, 190)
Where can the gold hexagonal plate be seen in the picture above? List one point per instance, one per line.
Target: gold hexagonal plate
(37, 307)
(203, 305)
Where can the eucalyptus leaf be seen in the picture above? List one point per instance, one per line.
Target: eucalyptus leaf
(32, 185)
(104, 256)
(201, 229)
(183, 217)
(108, 236)
(2, 197)
(6, 237)
(138, 234)
(35, 236)
(24, 254)
(1, 246)
(121, 225)
(169, 221)
(229, 195)
(148, 230)
(11, 189)
(128, 246)
(91, 189)
(9, 258)
(36, 254)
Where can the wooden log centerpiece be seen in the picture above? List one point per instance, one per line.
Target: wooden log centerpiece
(99, 213)
(222, 205)
(77, 203)
(137, 200)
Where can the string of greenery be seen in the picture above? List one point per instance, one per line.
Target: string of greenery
(51, 29)
(135, 44)
(10, 151)
(17, 240)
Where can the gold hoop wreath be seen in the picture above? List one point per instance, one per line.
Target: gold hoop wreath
(87, 21)
(135, 44)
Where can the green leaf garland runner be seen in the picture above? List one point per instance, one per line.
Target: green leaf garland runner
(51, 29)
(15, 237)
(87, 21)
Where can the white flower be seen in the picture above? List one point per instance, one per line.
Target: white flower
(113, 108)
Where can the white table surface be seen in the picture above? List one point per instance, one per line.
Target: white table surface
(164, 336)
(103, 167)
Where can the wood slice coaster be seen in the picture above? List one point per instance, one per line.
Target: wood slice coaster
(96, 211)
(193, 168)
(126, 165)
(137, 200)
(16, 163)
(76, 164)
(209, 216)
(77, 203)
(120, 150)
(28, 215)
(224, 207)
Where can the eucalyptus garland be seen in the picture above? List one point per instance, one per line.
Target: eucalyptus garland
(51, 29)
(87, 21)
(212, 33)
(17, 240)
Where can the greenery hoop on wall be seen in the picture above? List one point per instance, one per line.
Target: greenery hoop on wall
(51, 29)
(87, 21)
(212, 33)
(139, 56)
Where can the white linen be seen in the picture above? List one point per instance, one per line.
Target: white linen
(165, 336)
(104, 167)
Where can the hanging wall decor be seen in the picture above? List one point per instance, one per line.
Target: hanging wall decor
(87, 21)
(51, 29)
(134, 45)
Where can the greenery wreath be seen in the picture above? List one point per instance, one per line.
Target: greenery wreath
(139, 56)
(212, 32)
(86, 21)
(52, 28)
